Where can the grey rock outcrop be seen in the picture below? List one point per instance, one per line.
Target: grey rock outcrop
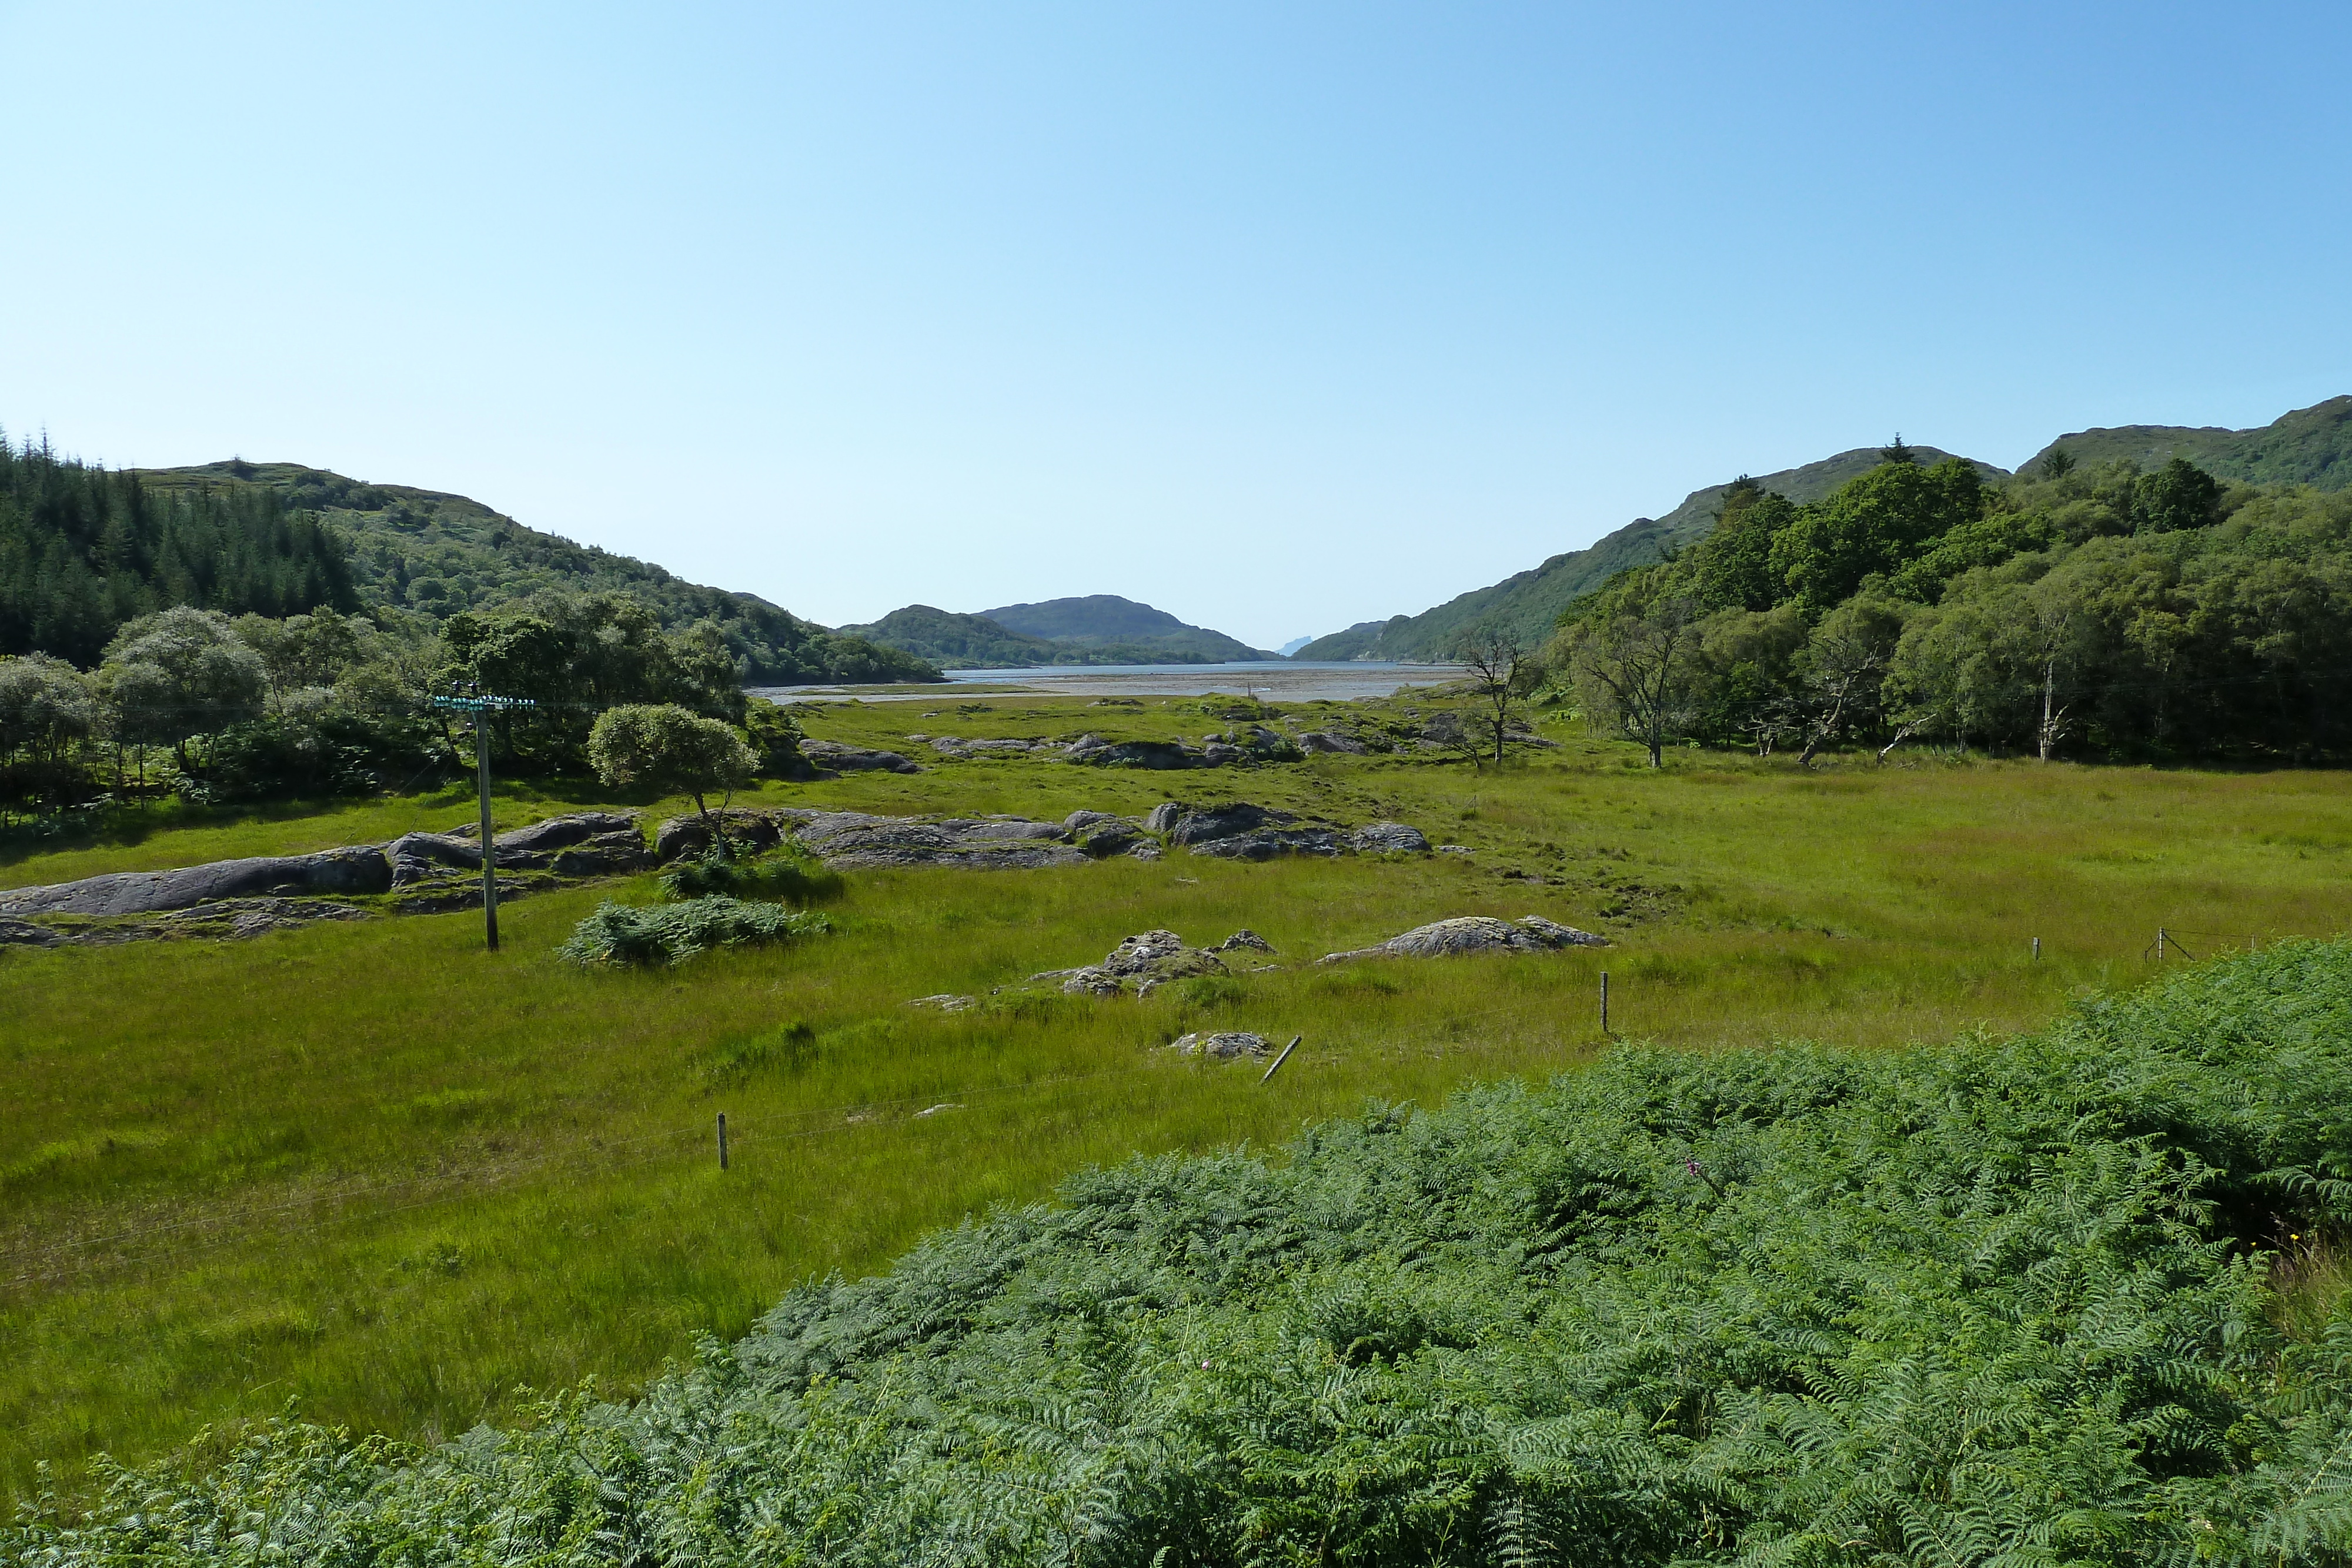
(1092, 751)
(1101, 834)
(359, 868)
(1475, 934)
(1240, 830)
(949, 745)
(853, 840)
(1324, 740)
(692, 835)
(1375, 838)
(1163, 817)
(1141, 964)
(1244, 938)
(583, 843)
(841, 758)
(1225, 1045)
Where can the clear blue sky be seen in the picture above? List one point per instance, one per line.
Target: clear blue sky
(1279, 317)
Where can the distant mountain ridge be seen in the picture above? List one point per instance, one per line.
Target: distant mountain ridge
(1528, 602)
(1096, 629)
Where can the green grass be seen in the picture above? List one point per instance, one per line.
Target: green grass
(375, 1170)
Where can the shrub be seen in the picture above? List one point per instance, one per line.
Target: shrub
(662, 745)
(622, 934)
(790, 874)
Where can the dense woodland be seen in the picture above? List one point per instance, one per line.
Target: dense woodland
(2094, 613)
(84, 549)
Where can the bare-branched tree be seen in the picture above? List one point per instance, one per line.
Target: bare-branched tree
(1503, 676)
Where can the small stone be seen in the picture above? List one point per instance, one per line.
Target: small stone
(1245, 937)
(946, 1002)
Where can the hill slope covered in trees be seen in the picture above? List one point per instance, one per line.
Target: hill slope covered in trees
(437, 553)
(2043, 1298)
(2078, 612)
(1528, 603)
(2308, 447)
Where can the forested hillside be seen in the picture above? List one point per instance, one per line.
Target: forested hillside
(2309, 446)
(2092, 612)
(1100, 629)
(1527, 604)
(84, 549)
(438, 554)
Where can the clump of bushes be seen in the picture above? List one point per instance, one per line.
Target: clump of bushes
(647, 936)
(788, 874)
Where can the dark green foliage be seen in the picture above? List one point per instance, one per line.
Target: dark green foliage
(2001, 1302)
(2095, 612)
(2178, 496)
(774, 737)
(628, 935)
(1734, 564)
(310, 753)
(1872, 526)
(789, 875)
(83, 549)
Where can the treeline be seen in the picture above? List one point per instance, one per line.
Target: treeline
(84, 549)
(195, 702)
(2100, 613)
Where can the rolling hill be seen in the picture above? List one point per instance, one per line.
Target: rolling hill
(439, 553)
(1529, 602)
(1100, 629)
(2310, 446)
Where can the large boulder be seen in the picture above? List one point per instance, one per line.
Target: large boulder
(1326, 740)
(843, 758)
(1475, 934)
(358, 869)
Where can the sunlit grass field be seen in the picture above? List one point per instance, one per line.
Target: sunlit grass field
(375, 1170)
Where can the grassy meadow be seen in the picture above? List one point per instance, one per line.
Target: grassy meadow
(372, 1170)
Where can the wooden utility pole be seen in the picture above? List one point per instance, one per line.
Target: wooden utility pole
(471, 699)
